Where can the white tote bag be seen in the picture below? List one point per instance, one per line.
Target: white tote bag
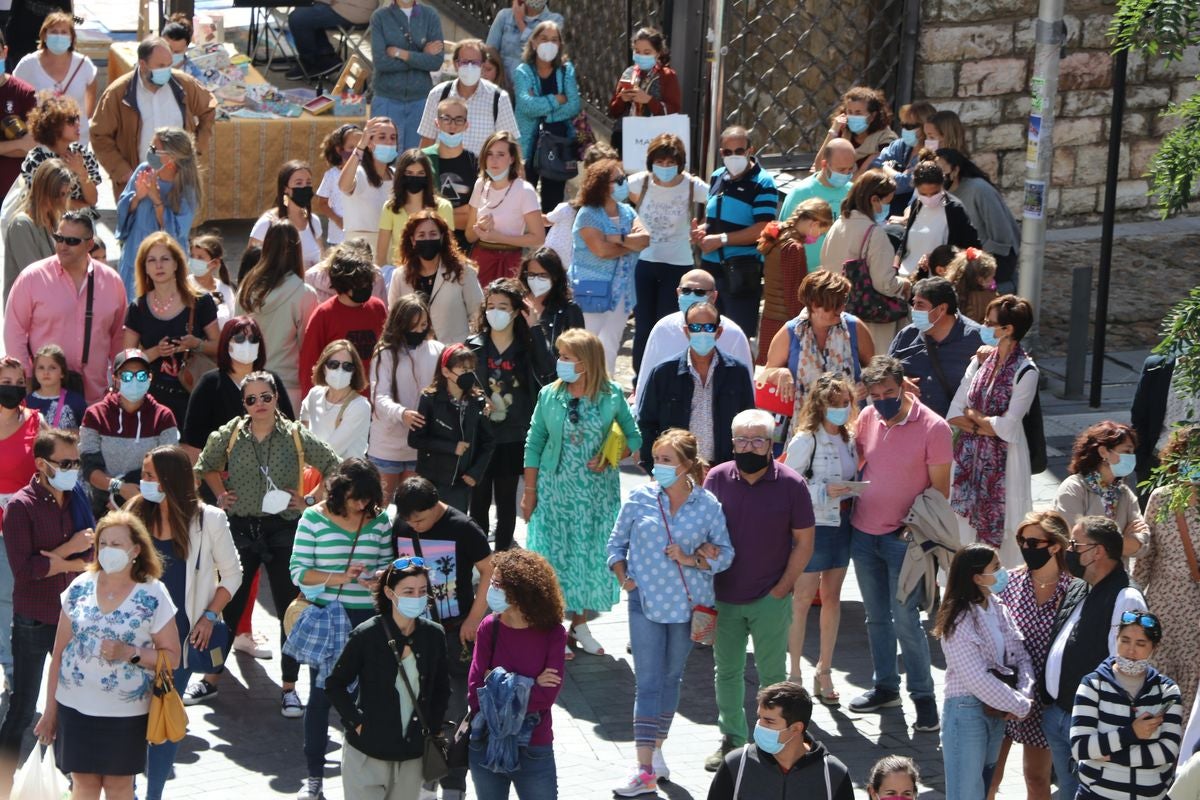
(39, 778)
(637, 133)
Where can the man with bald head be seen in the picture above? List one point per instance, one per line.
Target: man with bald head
(138, 103)
(667, 338)
(742, 199)
(831, 184)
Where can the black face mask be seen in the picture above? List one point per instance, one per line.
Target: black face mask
(466, 381)
(428, 249)
(360, 295)
(751, 462)
(1035, 558)
(11, 396)
(947, 181)
(1074, 566)
(414, 338)
(414, 184)
(302, 196)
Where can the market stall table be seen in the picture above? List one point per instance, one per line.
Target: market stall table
(238, 174)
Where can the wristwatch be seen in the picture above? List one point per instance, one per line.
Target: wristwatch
(210, 615)
(114, 486)
(137, 656)
(309, 500)
(724, 238)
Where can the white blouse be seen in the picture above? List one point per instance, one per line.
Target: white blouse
(346, 431)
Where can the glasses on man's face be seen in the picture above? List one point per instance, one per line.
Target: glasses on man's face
(404, 562)
(69, 241)
(1031, 544)
(474, 62)
(1145, 620)
(252, 400)
(742, 444)
(1080, 547)
(141, 376)
(573, 410)
(740, 151)
(685, 291)
(242, 338)
(706, 327)
(344, 366)
(452, 120)
(66, 463)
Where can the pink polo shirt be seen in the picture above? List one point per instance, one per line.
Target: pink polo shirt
(897, 464)
(45, 307)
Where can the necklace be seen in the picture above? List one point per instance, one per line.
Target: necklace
(161, 307)
(1044, 585)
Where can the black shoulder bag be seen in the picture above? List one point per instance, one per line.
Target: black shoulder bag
(459, 745)
(434, 763)
(554, 155)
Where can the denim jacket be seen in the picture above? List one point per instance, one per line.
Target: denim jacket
(502, 718)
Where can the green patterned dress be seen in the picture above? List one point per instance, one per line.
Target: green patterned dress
(575, 514)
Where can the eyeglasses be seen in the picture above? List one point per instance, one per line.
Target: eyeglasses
(1032, 544)
(683, 290)
(1081, 547)
(141, 376)
(252, 400)
(526, 275)
(910, 126)
(69, 241)
(66, 463)
(1147, 621)
(472, 63)
(242, 338)
(725, 151)
(344, 366)
(573, 410)
(619, 181)
(743, 443)
(452, 120)
(706, 327)
(404, 562)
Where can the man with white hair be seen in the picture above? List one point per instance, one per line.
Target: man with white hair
(770, 518)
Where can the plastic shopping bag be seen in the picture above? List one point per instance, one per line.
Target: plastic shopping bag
(39, 778)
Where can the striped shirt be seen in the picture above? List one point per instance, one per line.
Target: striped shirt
(737, 204)
(323, 545)
(1113, 761)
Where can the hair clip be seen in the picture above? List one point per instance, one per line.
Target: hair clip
(972, 253)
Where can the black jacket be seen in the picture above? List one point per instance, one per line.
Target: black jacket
(536, 368)
(667, 402)
(960, 232)
(762, 777)
(368, 659)
(445, 426)
(556, 320)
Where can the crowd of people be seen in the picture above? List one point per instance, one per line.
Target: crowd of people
(428, 330)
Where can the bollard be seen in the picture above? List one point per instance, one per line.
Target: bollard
(1077, 335)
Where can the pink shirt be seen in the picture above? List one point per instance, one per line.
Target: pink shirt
(507, 207)
(897, 464)
(45, 307)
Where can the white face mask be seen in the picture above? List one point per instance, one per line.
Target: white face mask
(244, 352)
(546, 51)
(498, 318)
(736, 165)
(539, 285)
(337, 378)
(197, 266)
(469, 74)
(113, 559)
(275, 501)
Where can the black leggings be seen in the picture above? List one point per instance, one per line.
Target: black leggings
(265, 542)
(502, 487)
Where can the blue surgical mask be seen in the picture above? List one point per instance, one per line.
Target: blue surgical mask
(645, 62)
(620, 191)
(134, 390)
(498, 175)
(176, 59)
(1001, 576)
(160, 76)
(987, 335)
(909, 137)
(838, 179)
(384, 153)
(921, 320)
(888, 407)
(881, 217)
(686, 301)
(767, 739)
(1124, 466)
(64, 480)
(411, 607)
(856, 123)
(450, 139)
(665, 174)
(151, 491)
(566, 371)
(58, 43)
(665, 475)
(703, 342)
(837, 416)
(154, 159)
(311, 591)
(496, 599)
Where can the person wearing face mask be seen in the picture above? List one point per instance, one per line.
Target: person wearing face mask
(1084, 633)
(784, 761)
(293, 202)
(649, 88)
(1164, 566)
(1102, 457)
(118, 431)
(864, 118)
(208, 271)
(504, 216)
(935, 217)
(741, 201)
(488, 107)
(354, 313)
(432, 266)
(366, 180)
(893, 778)
(48, 541)
(381, 756)
(903, 449)
(1127, 721)
(900, 157)
(991, 489)
(668, 528)
(454, 167)
(771, 524)
(512, 364)
(548, 308)
(413, 190)
(989, 675)
(546, 98)
(117, 622)
(335, 408)
(21, 98)
(701, 390)
(134, 106)
(989, 213)
(859, 235)
(512, 28)
(406, 38)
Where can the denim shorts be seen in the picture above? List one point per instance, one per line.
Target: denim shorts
(831, 547)
(392, 467)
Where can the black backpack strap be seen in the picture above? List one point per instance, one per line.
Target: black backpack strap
(495, 106)
(446, 90)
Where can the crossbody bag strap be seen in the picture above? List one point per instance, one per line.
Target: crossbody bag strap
(337, 423)
(74, 72)
(862, 248)
(425, 731)
(353, 546)
(88, 313)
(1188, 549)
(670, 540)
(737, 784)
(935, 360)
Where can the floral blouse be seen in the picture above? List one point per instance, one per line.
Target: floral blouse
(91, 684)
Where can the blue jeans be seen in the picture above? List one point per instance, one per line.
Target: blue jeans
(6, 612)
(536, 777)
(660, 652)
(405, 115)
(316, 712)
(160, 758)
(1056, 724)
(970, 746)
(877, 562)
(308, 25)
(32, 642)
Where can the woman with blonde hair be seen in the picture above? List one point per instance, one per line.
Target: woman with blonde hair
(162, 195)
(566, 470)
(334, 408)
(785, 266)
(822, 450)
(169, 320)
(29, 236)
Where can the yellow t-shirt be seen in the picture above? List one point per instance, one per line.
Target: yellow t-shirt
(394, 221)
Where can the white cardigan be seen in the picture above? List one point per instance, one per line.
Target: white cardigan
(212, 563)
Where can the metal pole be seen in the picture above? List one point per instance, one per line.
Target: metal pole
(1050, 35)
(716, 82)
(1115, 125)
(1077, 334)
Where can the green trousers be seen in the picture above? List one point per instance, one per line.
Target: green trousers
(766, 621)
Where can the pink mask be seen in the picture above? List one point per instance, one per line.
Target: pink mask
(811, 239)
(931, 201)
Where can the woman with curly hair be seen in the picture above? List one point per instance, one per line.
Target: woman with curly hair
(785, 265)
(57, 126)
(431, 265)
(1102, 457)
(864, 118)
(524, 635)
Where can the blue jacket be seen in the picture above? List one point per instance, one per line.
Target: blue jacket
(395, 78)
(503, 703)
(544, 443)
(532, 108)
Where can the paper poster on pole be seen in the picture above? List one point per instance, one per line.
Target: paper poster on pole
(1035, 136)
(637, 133)
(1035, 200)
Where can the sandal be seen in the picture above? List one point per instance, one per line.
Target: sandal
(830, 696)
(568, 653)
(583, 637)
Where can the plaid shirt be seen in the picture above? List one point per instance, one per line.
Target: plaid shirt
(971, 651)
(318, 638)
(33, 522)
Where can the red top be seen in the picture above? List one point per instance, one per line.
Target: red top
(16, 454)
(333, 320)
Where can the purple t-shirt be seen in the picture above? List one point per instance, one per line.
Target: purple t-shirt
(761, 517)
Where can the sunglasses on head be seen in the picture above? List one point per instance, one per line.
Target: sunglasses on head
(706, 327)
(251, 400)
(685, 291)
(69, 241)
(404, 562)
(141, 376)
(242, 338)
(1147, 621)
(344, 366)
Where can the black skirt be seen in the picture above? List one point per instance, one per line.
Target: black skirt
(100, 745)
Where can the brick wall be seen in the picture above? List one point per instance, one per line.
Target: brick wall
(976, 58)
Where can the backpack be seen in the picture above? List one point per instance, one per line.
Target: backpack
(495, 100)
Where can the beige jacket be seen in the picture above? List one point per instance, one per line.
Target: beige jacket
(356, 12)
(843, 241)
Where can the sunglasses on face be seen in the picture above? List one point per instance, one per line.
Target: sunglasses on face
(744, 443)
(344, 366)
(911, 126)
(1145, 620)
(141, 376)
(1031, 544)
(683, 290)
(69, 241)
(618, 181)
(706, 327)
(725, 151)
(404, 562)
(66, 463)
(242, 338)
(251, 400)
(73, 119)
(573, 410)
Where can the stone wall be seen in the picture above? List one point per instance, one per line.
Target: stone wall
(976, 58)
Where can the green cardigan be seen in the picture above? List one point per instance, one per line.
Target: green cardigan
(543, 444)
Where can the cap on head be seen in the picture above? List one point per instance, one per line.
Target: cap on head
(132, 354)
